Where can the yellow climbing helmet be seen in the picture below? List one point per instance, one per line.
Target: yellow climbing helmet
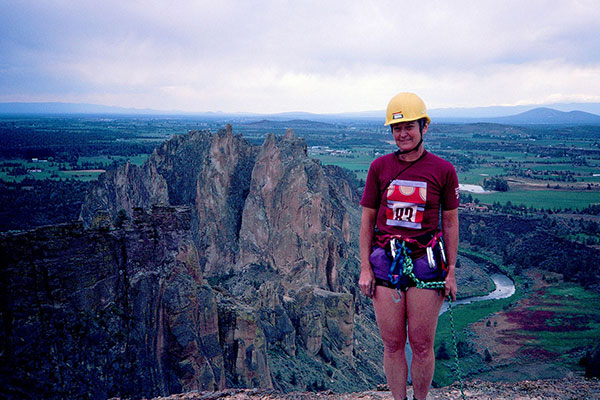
(405, 107)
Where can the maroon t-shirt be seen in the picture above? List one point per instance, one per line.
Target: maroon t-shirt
(409, 204)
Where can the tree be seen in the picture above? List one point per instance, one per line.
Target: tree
(592, 363)
(495, 183)
(487, 356)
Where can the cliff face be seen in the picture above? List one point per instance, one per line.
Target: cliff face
(271, 206)
(293, 219)
(99, 313)
(215, 264)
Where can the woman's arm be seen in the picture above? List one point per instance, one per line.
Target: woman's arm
(450, 231)
(366, 281)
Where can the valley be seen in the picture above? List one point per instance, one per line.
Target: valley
(547, 216)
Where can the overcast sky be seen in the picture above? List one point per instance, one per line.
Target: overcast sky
(316, 56)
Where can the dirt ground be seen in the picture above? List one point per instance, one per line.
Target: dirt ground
(573, 388)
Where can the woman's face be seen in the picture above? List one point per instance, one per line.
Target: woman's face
(407, 135)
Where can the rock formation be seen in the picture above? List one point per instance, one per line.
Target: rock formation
(293, 219)
(215, 264)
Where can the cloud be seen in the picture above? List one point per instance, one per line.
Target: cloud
(270, 56)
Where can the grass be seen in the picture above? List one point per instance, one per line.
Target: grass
(573, 322)
(551, 198)
(475, 176)
(463, 316)
(358, 161)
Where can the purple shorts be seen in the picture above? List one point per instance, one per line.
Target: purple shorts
(381, 263)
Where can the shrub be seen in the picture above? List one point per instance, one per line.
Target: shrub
(592, 363)
(442, 352)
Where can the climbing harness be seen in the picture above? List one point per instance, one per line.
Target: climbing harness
(455, 348)
(402, 266)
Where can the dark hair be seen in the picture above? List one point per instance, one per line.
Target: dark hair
(422, 124)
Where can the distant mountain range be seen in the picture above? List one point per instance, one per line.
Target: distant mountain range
(562, 113)
(545, 115)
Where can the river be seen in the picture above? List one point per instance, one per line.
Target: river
(504, 288)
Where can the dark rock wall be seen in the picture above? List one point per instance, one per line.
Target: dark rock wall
(97, 313)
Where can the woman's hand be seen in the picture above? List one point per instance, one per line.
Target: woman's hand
(450, 289)
(366, 282)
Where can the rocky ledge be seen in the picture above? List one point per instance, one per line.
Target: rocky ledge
(571, 388)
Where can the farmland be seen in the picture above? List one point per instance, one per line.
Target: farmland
(545, 167)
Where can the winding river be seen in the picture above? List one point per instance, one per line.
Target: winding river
(504, 288)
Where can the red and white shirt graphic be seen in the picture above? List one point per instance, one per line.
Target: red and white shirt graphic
(406, 203)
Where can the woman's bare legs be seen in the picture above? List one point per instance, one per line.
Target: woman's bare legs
(422, 310)
(417, 310)
(391, 320)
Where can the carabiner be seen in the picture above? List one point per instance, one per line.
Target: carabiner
(393, 247)
(443, 252)
(430, 258)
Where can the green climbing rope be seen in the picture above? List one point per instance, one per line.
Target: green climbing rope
(455, 347)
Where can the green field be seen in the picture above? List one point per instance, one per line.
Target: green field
(574, 323)
(453, 328)
(548, 199)
(475, 176)
(358, 161)
(86, 169)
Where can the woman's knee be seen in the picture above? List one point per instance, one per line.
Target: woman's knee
(422, 348)
(393, 345)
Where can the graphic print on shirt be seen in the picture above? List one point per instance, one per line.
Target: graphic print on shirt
(406, 203)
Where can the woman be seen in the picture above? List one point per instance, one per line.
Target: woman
(403, 265)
